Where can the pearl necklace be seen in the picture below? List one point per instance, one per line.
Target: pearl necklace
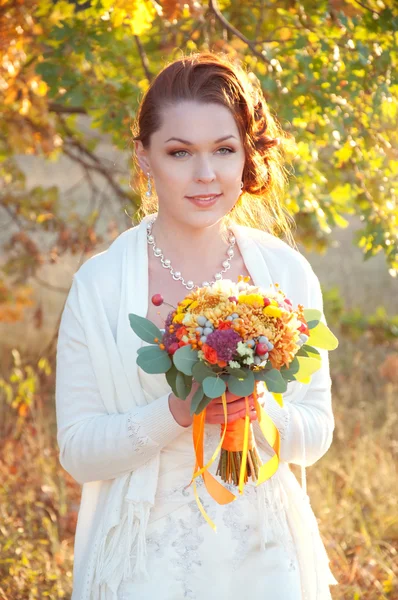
(166, 263)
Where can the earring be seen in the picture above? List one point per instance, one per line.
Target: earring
(241, 185)
(148, 192)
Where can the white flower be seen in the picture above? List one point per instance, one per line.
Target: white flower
(243, 350)
(249, 360)
(234, 364)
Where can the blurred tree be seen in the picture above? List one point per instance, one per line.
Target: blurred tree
(328, 70)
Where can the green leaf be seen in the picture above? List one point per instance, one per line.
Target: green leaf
(144, 328)
(171, 377)
(197, 399)
(291, 370)
(313, 316)
(311, 351)
(200, 371)
(300, 352)
(275, 382)
(155, 361)
(239, 373)
(183, 385)
(214, 387)
(203, 404)
(144, 349)
(185, 358)
(242, 387)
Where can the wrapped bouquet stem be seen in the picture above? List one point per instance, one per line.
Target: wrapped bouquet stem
(232, 336)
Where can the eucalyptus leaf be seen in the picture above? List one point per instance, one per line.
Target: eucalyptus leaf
(312, 315)
(171, 377)
(155, 361)
(200, 371)
(214, 387)
(242, 387)
(240, 373)
(302, 352)
(144, 349)
(144, 328)
(181, 385)
(185, 358)
(197, 399)
(203, 404)
(275, 382)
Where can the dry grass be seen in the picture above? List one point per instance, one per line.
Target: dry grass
(352, 487)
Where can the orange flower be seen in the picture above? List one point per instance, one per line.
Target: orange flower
(181, 331)
(210, 354)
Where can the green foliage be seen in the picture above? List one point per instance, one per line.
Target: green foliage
(379, 328)
(154, 361)
(327, 69)
(242, 386)
(185, 358)
(144, 328)
(214, 387)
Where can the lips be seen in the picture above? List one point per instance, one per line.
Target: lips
(203, 197)
(204, 201)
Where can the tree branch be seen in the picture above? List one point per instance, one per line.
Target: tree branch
(144, 58)
(366, 7)
(66, 110)
(214, 7)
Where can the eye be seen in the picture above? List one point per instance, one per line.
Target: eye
(229, 150)
(183, 153)
(178, 152)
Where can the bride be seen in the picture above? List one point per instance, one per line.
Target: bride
(209, 154)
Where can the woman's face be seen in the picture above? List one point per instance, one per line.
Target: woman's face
(196, 152)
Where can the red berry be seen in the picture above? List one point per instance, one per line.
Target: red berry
(157, 299)
(261, 349)
(173, 348)
(233, 299)
(288, 301)
(267, 301)
(303, 328)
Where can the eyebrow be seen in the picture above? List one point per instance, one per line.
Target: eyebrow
(222, 139)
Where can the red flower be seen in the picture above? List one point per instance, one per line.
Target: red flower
(210, 354)
(224, 325)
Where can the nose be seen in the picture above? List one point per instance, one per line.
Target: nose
(205, 171)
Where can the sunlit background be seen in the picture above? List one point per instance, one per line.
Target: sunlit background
(71, 76)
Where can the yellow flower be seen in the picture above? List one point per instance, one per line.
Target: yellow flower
(252, 299)
(178, 318)
(272, 311)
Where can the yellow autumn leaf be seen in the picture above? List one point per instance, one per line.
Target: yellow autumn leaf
(308, 366)
(322, 337)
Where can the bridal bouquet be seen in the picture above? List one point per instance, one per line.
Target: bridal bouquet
(233, 335)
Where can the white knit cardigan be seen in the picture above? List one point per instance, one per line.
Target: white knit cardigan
(110, 438)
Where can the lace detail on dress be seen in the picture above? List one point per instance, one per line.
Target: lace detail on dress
(284, 424)
(186, 545)
(140, 441)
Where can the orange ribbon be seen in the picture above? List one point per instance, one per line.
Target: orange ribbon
(236, 436)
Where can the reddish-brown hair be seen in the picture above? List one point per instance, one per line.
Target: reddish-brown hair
(213, 78)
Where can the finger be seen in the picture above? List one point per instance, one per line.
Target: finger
(230, 397)
(232, 408)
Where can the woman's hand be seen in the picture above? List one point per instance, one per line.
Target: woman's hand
(236, 409)
(180, 409)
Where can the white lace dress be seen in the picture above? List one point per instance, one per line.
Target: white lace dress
(253, 552)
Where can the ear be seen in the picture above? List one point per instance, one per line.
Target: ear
(142, 156)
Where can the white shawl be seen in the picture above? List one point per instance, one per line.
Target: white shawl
(110, 545)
